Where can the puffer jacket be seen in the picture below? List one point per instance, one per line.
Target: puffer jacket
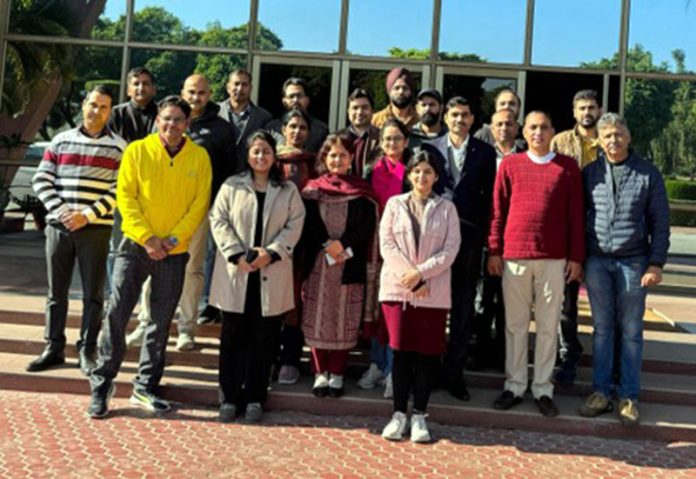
(438, 246)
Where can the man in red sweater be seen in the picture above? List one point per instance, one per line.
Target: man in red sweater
(537, 245)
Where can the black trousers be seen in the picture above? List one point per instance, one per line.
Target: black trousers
(248, 343)
(490, 309)
(466, 271)
(413, 372)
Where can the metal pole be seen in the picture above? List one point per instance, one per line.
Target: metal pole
(435, 41)
(623, 52)
(125, 58)
(529, 33)
(4, 26)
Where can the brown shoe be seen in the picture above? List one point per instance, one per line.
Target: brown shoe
(595, 404)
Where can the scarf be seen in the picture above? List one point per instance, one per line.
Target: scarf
(387, 180)
(297, 165)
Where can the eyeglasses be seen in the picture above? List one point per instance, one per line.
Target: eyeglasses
(393, 139)
(176, 120)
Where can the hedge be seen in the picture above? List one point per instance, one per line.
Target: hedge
(682, 218)
(681, 189)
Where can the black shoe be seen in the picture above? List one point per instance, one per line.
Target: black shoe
(546, 406)
(457, 388)
(99, 405)
(506, 400)
(335, 392)
(49, 357)
(209, 315)
(87, 361)
(321, 392)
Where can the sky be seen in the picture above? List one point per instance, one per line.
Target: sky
(565, 33)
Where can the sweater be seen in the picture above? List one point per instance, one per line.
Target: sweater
(79, 172)
(631, 220)
(163, 196)
(538, 210)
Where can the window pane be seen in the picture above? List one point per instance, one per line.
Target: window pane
(496, 34)
(318, 81)
(88, 66)
(170, 69)
(299, 25)
(374, 82)
(69, 18)
(181, 22)
(480, 91)
(662, 117)
(660, 29)
(553, 93)
(387, 28)
(576, 33)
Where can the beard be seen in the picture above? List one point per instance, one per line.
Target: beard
(588, 121)
(401, 101)
(430, 119)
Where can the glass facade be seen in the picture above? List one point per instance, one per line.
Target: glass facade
(545, 49)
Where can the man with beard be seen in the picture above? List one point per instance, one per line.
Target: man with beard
(295, 96)
(468, 173)
(244, 116)
(365, 137)
(580, 143)
(216, 135)
(429, 109)
(400, 88)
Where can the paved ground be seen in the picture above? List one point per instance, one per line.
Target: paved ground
(48, 435)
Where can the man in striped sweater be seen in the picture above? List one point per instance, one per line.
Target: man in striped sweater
(536, 244)
(76, 182)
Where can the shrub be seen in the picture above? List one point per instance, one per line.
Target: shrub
(681, 189)
(682, 218)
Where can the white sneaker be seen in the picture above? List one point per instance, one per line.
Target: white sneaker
(371, 377)
(321, 380)
(394, 430)
(288, 374)
(336, 381)
(419, 429)
(388, 387)
(135, 338)
(185, 342)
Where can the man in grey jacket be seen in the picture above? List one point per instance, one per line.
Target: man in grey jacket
(627, 232)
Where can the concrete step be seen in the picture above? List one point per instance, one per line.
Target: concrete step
(180, 384)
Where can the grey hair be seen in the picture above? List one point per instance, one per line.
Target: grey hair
(612, 119)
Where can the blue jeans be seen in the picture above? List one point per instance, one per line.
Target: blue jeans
(618, 303)
(382, 355)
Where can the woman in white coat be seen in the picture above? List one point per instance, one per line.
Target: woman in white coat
(419, 239)
(256, 220)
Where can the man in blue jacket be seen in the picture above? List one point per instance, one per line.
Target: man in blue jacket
(627, 228)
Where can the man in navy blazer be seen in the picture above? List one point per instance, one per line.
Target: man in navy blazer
(466, 177)
(244, 116)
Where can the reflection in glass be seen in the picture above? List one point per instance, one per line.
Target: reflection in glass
(662, 117)
(307, 25)
(88, 66)
(170, 69)
(553, 93)
(373, 81)
(386, 28)
(480, 91)
(180, 22)
(318, 81)
(665, 31)
(496, 34)
(575, 33)
(74, 18)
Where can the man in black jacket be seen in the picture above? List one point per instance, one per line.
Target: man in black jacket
(468, 174)
(240, 112)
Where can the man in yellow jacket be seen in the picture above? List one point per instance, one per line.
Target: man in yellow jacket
(163, 193)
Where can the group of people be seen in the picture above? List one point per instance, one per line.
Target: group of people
(404, 226)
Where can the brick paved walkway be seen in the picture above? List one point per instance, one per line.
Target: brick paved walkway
(49, 435)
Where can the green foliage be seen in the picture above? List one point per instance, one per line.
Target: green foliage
(681, 190)
(682, 218)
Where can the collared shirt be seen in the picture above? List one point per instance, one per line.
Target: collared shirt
(589, 150)
(172, 152)
(542, 160)
(500, 154)
(241, 119)
(457, 157)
